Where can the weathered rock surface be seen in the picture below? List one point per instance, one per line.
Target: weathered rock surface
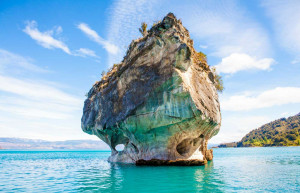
(160, 102)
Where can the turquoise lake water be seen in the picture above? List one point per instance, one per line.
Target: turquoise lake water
(232, 170)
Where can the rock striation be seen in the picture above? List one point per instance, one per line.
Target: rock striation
(160, 101)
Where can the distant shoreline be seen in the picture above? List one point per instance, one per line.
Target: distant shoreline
(256, 146)
(55, 150)
(37, 144)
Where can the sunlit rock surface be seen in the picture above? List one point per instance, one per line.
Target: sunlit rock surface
(160, 102)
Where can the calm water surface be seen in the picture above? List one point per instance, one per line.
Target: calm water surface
(232, 170)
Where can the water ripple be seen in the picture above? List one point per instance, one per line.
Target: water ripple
(233, 170)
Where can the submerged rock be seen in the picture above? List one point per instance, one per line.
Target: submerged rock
(160, 102)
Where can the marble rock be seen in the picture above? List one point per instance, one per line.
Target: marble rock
(160, 102)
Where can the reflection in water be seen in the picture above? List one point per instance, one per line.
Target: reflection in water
(129, 178)
(107, 176)
(232, 170)
(208, 180)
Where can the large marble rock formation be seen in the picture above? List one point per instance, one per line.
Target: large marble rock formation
(160, 101)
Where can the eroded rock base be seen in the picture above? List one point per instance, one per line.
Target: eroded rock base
(179, 162)
(209, 154)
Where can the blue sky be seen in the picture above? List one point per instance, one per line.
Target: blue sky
(52, 52)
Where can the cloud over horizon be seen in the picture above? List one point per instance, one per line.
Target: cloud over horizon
(41, 108)
(235, 127)
(274, 97)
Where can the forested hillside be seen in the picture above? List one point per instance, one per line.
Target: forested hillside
(281, 132)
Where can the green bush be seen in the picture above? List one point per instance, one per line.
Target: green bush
(143, 29)
(292, 132)
(278, 139)
(218, 80)
(201, 57)
(291, 137)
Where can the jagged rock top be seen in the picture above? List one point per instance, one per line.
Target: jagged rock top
(171, 26)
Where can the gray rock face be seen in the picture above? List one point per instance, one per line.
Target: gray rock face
(160, 102)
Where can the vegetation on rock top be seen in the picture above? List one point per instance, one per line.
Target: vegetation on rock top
(156, 29)
(143, 29)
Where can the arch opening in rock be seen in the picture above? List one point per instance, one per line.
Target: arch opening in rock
(188, 146)
(120, 147)
(183, 147)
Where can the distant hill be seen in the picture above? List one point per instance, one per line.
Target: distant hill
(231, 144)
(281, 132)
(20, 143)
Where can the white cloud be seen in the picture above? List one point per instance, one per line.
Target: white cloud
(269, 98)
(284, 15)
(233, 128)
(295, 61)
(125, 19)
(11, 63)
(93, 35)
(14, 125)
(288, 114)
(33, 98)
(45, 39)
(83, 52)
(35, 108)
(203, 46)
(240, 61)
(225, 27)
(58, 30)
(36, 90)
(38, 109)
